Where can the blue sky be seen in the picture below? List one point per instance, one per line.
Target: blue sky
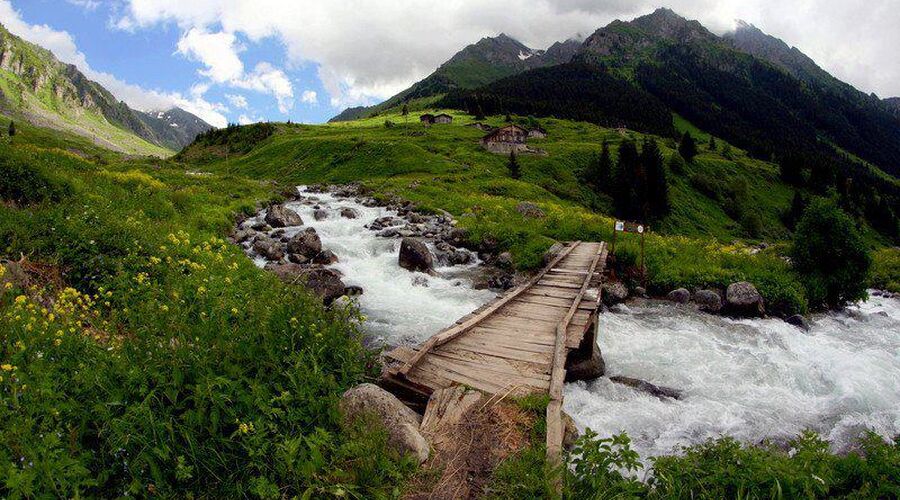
(306, 60)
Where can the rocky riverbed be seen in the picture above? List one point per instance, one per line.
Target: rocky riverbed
(410, 272)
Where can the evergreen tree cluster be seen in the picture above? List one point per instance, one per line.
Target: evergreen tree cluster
(637, 183)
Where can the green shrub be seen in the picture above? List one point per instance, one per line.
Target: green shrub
(886, 270)
(24, 182)
(830, 255)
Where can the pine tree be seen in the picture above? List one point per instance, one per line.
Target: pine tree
(676, 163)
(687, 147)
(604, 168)
(626, 179)
(12, 128)
(712, 143)
(513, 166)
(656, 203)
(798, 205)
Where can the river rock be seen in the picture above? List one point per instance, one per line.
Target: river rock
(708, 300)
(570, 431)
(320, 214)
(742, 299)
(504, 261)
(639, 291)
(679, 295)
(305, 243)
(401, 423)
(588, 369)
(353, 290)
(420, 280)
(799, 321)
(552, 252)
(280, 216)
(296, 258)
(644, 386)
(325, 257)
(457, 237)
(614, 293)
(458, 257)
(415, 256)
(530, 210)
(268, 248)
(325, 283)
(349, 213)
(242, 235)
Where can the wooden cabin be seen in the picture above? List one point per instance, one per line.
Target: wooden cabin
(510, 138)
(427, 118)
(443, 118)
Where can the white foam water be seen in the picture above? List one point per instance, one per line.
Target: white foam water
(750, 379)
(397, 310)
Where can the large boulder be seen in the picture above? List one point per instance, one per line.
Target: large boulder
(614, 293)
(268, 248)
(799, 321)
(708, 301)
(401, 423)
(326, 283)
(587, 369)
(679, 295)
(530, 210)
(305, 243)
(415, 256)
(280, 216)
(742, 299)
(320, 214)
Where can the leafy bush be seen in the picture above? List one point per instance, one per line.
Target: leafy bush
(830, 255)
(25, 182)
(886, 270)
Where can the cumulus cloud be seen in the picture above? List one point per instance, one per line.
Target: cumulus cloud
(63, 46)
(238, 101)
(247, 120)
(89, 5)
(309, 97)
(267, 79)
(367, 51)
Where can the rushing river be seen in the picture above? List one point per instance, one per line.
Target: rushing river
(751, 379)
(398, 309)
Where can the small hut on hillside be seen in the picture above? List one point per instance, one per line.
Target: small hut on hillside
(537, 133)
(427, 118)
(505, 140)
(443, 118)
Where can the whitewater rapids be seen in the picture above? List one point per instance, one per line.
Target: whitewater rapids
(749, 379)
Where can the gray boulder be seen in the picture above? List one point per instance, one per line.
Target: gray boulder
(325, 257)
(320, 214)
(530, 210)
(644, 386)
(552, 252)
(679, 295)
(587, 369)
(458, 257)
(415, 256)
(401, 423)
(305, 243)
(614, 293)
(742, 299)
(326, 283)
(799, 321)
(708, 300)
(349, 213)
(268, 248)
(505, 261)
(280, 216)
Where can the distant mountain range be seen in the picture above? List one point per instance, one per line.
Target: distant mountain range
(486, 61)
(37, 87)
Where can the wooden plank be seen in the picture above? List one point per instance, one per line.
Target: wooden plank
(499, 350)
(462, 328)
(488, 381)
(558, 372)
(492, 364)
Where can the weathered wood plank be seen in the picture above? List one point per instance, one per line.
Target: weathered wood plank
(462, 328)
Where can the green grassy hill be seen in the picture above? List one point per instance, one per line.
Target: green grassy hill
(704, 241)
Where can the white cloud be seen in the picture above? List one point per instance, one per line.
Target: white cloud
(89, 5)
(64, 48)
(367, 51)
(267, 79)
(217, 51)
(246, 120)
(309, 97)
(238, 101)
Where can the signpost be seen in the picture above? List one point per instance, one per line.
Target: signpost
(631, 227)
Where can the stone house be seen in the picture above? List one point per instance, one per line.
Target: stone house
(537, 133)
(443, 118)
(427, 119)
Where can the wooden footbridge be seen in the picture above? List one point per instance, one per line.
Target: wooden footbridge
(520, 343)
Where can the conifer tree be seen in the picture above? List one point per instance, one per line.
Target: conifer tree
(712, 143)
(604, 168)
(656, 203)
(687, 147)
(12, 128)
(513, 166)
(625, 183)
